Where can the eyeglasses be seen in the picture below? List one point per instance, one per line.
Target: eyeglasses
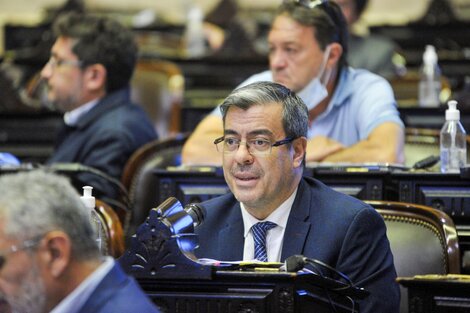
(255, 146)
(27, 244)
(54, 63)
(328, 7)
(310, 3)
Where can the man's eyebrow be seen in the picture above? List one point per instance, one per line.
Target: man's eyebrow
(251, 133)
(230, 132)
(261, 132)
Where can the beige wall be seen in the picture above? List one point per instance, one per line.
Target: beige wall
(379, 12)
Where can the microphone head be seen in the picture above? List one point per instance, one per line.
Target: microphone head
(197, 212)
(295, 263)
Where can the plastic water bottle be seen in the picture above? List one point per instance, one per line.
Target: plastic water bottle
(95, 220)
(453, 142)
(194, 33)
(430, 81)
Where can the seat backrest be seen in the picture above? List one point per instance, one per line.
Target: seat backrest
(138, 177)
(420, 143)
(112, 229)
(158, 87)
(423, 240)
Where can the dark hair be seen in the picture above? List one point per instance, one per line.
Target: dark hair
(101, 40)
(360, 7)
(326, 18)
(294, 113)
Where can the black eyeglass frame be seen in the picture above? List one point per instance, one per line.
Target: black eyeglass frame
(274, 144)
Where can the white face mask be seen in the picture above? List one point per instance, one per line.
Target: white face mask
(315, 92)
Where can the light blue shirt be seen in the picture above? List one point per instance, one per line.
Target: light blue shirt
(361, 102)
(75, 300)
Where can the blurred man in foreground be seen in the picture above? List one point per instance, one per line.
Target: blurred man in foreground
(49, 259)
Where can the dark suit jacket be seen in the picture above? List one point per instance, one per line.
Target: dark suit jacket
(334, 228)
(104, 138)
(118, 293)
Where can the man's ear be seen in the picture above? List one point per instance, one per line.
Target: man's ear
(336, 51)
(300, 148)
(95, 77)
(55, 252)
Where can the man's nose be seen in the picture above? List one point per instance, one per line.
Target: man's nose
(243, 155)
(277, 60)
(46, 71)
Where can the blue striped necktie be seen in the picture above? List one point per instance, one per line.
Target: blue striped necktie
(259, 231)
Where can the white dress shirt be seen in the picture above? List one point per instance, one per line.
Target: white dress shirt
(71, 118)
(274, 237)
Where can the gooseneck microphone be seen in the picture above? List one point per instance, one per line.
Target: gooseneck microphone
(178, 218)
(297, 262)
(197, 212)
(294, 263)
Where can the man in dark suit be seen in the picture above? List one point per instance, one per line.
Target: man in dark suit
(87, 75)
(263, 148)
(49, 259)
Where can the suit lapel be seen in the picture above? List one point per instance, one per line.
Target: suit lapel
(297, 227)
(231, 239)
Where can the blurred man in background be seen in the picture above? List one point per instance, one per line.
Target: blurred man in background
(87, 75)
(351, 111)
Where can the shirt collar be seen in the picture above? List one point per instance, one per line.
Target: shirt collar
(71, 118)
(78, 297)
(278, 216)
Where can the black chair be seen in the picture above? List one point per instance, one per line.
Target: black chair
(423, 241)
(138, 177)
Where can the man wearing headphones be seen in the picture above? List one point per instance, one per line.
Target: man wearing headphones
(351, 111)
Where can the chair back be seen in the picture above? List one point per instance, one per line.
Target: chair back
(158, 87)
(423, 240)
(420, 143)
(138, 175)
(111, 228)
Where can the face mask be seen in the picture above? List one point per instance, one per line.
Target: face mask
(316, 91)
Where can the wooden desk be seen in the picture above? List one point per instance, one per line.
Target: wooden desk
(438, 293)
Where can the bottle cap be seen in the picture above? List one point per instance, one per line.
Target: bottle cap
(87, 198)
(452, 114)
(430, 55)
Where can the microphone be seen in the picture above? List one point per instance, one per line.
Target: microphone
(197, 213)
(297, 262)
(294, 263)
(179, 219)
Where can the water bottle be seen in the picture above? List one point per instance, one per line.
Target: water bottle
(430, 80)
(95, 220)
(194, 33)
(453, 143)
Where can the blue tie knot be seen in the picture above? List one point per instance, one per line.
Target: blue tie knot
(259, 231)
